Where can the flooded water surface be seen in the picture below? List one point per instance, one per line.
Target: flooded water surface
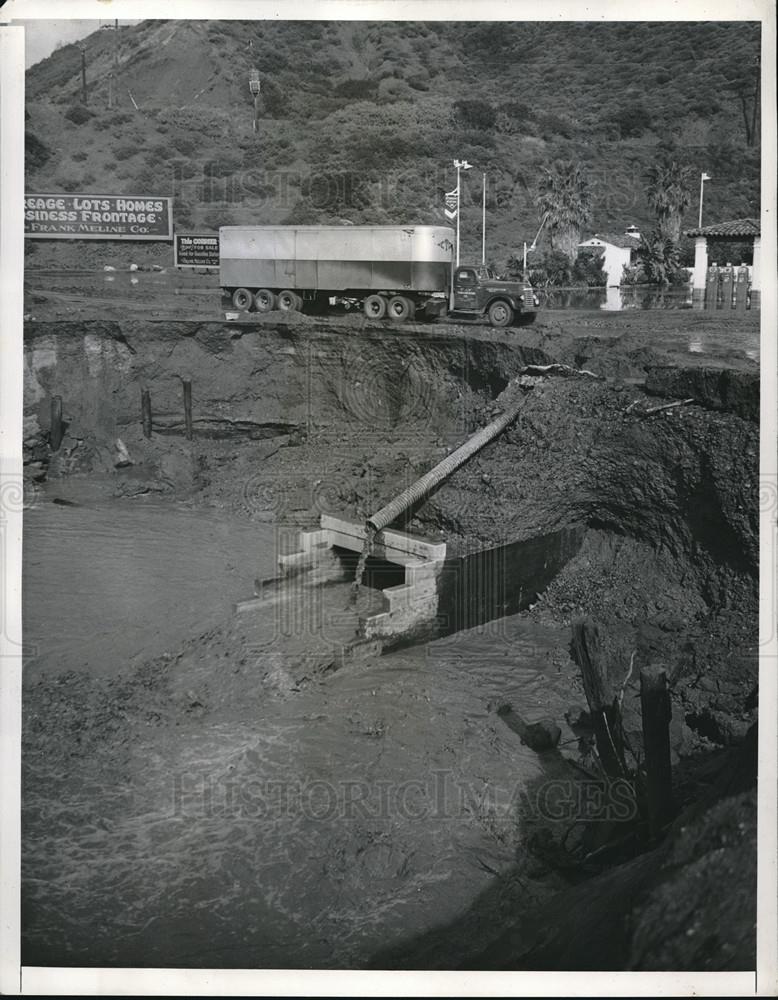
(261, 826)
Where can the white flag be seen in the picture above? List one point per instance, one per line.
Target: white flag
(452, 204)
(705, 177)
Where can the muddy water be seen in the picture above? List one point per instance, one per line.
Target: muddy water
(361, 810)
(111, 582)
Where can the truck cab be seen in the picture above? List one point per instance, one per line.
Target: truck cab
(478, 291)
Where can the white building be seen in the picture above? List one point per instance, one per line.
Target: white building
(618, 252)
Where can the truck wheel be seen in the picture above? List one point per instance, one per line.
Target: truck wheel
(400, 308)
(375, 307)
(288, 301)
(500, 313)
(242, 299)
(264, 301)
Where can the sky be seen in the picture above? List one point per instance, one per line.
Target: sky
(43, 36)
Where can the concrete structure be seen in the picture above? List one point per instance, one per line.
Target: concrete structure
(410, 608)
(617, 250)
(736, 230)
(438, 594)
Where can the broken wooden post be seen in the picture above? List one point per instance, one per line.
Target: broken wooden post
(56, 423)
(656, 711)
(188, 408)
(145, 405)
(602, 698)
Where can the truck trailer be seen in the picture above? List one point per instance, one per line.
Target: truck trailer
(387, 271)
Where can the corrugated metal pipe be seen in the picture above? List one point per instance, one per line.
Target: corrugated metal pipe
(386, 515)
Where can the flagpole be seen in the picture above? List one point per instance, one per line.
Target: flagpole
(703, 177)
(456, 164)
(460, 165)
(483, 221)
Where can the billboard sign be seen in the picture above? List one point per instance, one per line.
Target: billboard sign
(97, 217)
(196, 250)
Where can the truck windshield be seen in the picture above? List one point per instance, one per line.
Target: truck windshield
(486, 273)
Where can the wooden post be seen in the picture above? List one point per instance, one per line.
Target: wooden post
(656, 710)
(188, 408)
(83, 75)
(56, 423)
(601, 696)
(145, 406)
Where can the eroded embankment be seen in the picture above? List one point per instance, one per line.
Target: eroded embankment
(292, 422)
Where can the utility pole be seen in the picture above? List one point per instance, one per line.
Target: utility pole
(254, 88)
(115, 69)
(483, 221)
(83, 75)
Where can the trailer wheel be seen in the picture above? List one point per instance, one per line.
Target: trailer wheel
(242, 299)
(375, 307)
(400, 308)
(288, 301)
(264, 301)
(500, 313)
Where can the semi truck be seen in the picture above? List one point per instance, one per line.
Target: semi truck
(394, 272)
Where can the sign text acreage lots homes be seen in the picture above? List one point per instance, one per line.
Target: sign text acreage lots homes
(97, 217)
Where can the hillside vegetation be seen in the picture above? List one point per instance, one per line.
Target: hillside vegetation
(361, 121)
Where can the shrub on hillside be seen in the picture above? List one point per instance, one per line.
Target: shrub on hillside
(68, 183)
(79, 114)
(549, 123)
(184, 144)
(475, 114)
(80, 155)
(632, 121)
(359, 89)
(393, 89)
(36, 153)
(513, 117)
(125, 152)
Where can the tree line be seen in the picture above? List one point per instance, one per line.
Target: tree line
(564, 201)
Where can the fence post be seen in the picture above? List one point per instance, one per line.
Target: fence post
(56, 423)
(145, 405)
(188, 408)
(657, 712)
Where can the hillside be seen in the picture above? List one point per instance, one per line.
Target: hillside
(361, 121)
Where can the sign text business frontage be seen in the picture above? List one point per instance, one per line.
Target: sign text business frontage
(97, 217)
(196, 250)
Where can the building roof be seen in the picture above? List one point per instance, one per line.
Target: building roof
(615, 240)
(734, 229)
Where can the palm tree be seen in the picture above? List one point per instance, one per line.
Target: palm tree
(565, 201)
(659, 257)
(669, 195)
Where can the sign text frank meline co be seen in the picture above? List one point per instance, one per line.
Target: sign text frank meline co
(97, 217)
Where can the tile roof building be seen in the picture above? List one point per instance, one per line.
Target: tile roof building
(734, 230)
